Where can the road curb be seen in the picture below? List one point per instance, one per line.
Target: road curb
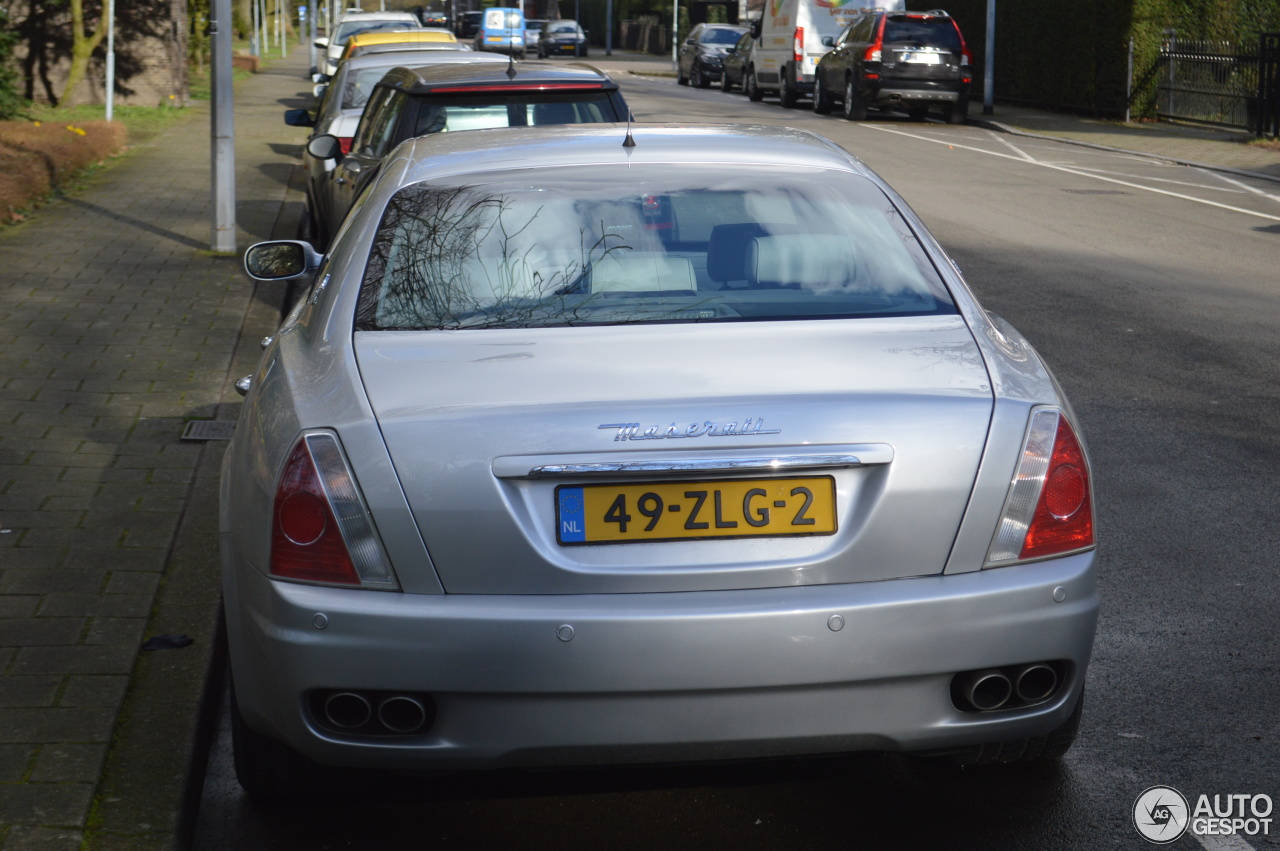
(988, 124)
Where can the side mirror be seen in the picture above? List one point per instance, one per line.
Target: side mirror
(280, 261)
(298, 118)
(828, 41)
(325, 147)
(322, 42)
(755, 29)
(319, 90)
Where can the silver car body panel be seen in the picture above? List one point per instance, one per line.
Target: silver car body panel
(725, 650)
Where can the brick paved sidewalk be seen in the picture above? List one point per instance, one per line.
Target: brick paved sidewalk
(116, 327)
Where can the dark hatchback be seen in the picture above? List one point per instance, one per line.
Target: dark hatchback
(410, 102)
(896, 60)
(562, 38)
(702, 53)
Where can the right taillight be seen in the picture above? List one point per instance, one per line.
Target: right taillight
(321, 531)
(1049, 507)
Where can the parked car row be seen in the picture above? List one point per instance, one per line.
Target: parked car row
(610, 444)
(882, 59)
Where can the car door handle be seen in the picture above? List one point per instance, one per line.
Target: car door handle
(341, 181)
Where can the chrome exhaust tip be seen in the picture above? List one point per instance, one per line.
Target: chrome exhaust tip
(402, 714)
(347, 710)
(1034, 683)
(985, 690)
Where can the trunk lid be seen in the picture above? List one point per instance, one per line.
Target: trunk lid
(484, 426)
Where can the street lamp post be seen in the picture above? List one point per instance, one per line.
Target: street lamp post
(222, 130)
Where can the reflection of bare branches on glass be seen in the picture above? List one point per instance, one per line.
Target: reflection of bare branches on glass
(459, 258)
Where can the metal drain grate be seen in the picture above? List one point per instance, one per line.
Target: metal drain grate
(209, 430)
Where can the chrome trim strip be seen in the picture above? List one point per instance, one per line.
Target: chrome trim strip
(766, 464)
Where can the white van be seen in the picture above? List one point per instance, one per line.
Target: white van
(789, 43)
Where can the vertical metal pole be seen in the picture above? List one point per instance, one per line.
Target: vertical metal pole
(111, 58)
(254, 44)
(608, 28)
(1128, 86)
(1173, 49)
(222, 131)
(989, 62)
(312, 11)
(675, 34)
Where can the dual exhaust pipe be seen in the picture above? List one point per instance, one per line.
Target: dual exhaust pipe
(381, 714)
(1005, 688)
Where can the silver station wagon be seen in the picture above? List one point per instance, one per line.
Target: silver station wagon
(591, 446)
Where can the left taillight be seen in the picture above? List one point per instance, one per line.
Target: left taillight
(797, 45)
(321, 531)
(1049, 507)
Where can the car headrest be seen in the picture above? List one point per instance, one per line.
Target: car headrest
(727, 248)
(812, 261)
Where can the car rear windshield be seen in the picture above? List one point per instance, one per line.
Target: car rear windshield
(721, 36)
(518, 109)
(588, 246)
(922, 32)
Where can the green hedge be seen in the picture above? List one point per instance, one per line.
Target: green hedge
(1074, 56)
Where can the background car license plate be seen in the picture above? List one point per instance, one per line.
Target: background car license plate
(674, 511)
(922, 58)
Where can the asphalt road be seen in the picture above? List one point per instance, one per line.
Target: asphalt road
(1152, 291)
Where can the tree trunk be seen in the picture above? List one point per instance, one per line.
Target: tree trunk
(82, 47)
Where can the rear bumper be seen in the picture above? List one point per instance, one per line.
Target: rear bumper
(660, 677)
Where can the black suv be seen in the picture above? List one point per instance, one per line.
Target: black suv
(411, 102)
(904, 60)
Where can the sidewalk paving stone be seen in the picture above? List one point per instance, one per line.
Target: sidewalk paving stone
(116, 327)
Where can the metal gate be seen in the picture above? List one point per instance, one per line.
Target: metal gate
(1210, 81)
(1268, 123)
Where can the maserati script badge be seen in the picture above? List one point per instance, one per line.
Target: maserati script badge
(632, 431)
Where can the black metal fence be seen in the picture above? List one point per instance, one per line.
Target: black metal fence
(1269, 85)
(1220, 83)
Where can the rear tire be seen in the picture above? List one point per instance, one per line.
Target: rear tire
(266, 768)
(725, 84)
(749, 86)
(956, 113)
(787, 95)
(855, 108)
(821, 100)
(697, 78)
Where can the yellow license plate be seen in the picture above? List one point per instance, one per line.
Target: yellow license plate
(678, 511)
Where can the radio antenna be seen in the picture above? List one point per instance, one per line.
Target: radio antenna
(630, 141)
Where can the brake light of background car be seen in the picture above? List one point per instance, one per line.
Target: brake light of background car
(1063, 520)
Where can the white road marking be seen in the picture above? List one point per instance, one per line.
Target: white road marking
(1246, 187)
(1003, 141)
(1223, 843)
(1074, 171)
(1165, 180)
